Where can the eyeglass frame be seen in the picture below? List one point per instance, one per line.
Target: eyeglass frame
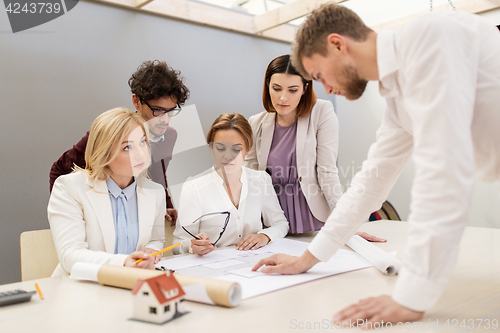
(223, 228)
(176, 111)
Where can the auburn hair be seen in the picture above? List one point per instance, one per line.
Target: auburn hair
(235, 121)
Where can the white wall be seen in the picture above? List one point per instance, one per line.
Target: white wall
(359, 121)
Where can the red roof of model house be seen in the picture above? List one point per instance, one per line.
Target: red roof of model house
(165, 287)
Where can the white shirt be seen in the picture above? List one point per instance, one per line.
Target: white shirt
(205, 194)
(157, 138)
(441, 77)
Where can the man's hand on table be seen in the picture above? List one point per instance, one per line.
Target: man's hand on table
(285, 264)
(372, 310)
(371, 238)
(381, 310)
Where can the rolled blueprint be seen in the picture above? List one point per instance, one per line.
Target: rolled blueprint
(225, 293)
(123, 277)
(382, 260)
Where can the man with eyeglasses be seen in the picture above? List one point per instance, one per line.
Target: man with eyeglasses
(157, 94)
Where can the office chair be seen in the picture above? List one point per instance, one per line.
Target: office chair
(386, 212)
(38, 254)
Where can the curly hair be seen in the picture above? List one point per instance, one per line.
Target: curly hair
(156, 79)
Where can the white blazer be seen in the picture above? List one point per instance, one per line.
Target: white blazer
(205, 194)
(317, 148)
(82, 224)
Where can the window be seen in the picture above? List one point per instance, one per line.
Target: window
(152, 309)
(145, 293)
(167, 308)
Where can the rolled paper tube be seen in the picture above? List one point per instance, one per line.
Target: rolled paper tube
(124, 277)
(382, 260)
(223, 293)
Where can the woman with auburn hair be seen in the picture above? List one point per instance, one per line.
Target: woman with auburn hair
(296, 142)
(109, 212)
(227, 204)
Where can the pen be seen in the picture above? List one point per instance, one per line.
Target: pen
(38, 291)
(161, 251)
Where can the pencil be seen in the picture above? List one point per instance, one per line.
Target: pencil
(38, 291)
(161, 251)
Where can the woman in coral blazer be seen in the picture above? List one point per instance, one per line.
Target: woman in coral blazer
(84, 207)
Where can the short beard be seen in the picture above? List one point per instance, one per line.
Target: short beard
(155, 135)
(355, 86)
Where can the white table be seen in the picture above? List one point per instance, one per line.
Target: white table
(75, 306)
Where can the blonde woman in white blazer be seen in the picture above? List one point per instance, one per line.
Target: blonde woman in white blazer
(85, 222)
(296, 142)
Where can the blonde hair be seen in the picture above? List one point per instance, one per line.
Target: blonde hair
(236, 121)
(108, 130)
(327, 19)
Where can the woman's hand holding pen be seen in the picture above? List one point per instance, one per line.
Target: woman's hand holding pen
(148, 261)
(149, 251)
(202, 245)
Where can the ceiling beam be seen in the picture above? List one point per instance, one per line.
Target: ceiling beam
(141, 3)
(205, 14)
(283, 33)
(287, 13)
(202, 14)
(269, 25)
(121, 3)
(471, 6)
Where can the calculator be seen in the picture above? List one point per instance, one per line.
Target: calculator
(15, 296)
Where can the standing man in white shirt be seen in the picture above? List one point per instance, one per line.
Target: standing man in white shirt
(440, 75)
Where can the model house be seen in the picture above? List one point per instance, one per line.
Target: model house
(158, 299)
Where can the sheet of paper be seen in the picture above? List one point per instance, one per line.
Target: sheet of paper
(284, 245)
(196, 260)
(245, 272)
(224, 264)
(233, 265)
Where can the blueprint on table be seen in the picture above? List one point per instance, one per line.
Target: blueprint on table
(233, 265)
